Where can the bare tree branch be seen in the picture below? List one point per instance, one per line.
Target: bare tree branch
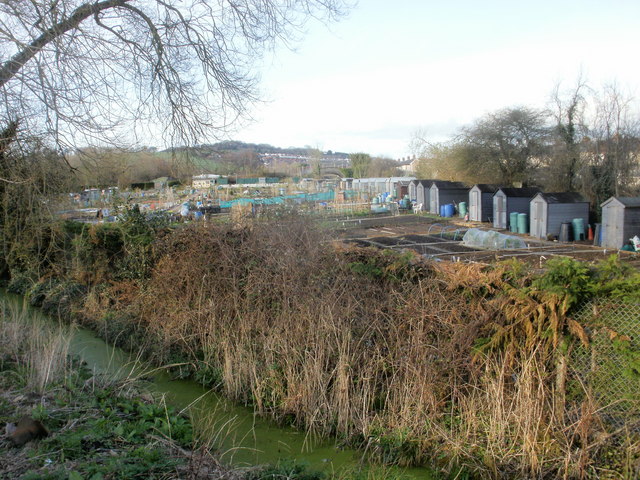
(118, 71)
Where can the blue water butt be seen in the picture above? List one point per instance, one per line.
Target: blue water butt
(449, 210)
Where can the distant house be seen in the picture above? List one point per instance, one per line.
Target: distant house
(409, 166)
(507, 200)
(548, 211)
(620, 221)
(481, 202)
(443, 192)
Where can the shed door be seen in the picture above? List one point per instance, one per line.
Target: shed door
(619, 226)
(497, 208)
(501, 212)
(537, 220)
(433, 204)
(474, 208)
(612, 224)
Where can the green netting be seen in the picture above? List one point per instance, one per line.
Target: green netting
(297, 198)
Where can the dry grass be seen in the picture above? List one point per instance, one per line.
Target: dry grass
(374, 348)
(42, 350)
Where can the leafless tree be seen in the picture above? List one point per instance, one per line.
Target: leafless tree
(613, 145)
(565, 160)
(512, 141)
(93, 71)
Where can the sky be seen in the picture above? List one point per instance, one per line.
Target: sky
(390, 69)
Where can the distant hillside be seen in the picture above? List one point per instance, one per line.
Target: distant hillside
(216, 149)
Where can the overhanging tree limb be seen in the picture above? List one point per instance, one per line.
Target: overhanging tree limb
(13, 66)
(115, 71)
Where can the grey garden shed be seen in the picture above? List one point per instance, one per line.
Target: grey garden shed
(620, 221)
(507, 200)
(419, 192)
(443, 192)
(549, 210)
(481, 202)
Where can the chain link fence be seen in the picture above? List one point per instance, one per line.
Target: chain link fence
(609, 367)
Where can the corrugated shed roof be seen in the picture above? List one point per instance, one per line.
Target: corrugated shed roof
(563, 197)
(520, 192)
(486, 187)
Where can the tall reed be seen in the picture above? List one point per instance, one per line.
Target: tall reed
(40, 347)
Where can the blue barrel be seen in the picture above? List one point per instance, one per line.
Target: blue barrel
(449, 210)
(513, 222)
(442, 210)
(578, 229)
(523, 223)
(597, 236)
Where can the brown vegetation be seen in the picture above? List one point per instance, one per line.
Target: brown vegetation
(413, 361)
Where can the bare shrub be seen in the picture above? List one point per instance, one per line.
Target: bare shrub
(412, 361)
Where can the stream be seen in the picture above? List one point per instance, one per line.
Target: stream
(241, 437)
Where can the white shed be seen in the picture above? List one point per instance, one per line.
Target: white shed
(620, 221)
(419, 192)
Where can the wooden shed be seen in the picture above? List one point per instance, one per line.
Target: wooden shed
(549, 210)
(402, 188)
(443, 192)
(620, 221)
(481, 202)
(507, 200)
(419, 192)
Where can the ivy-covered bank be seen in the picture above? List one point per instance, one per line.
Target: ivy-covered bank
(474, 368)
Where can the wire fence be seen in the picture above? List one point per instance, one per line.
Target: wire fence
(609, 367)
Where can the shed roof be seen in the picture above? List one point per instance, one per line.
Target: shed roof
(519, 192)
(426, 182)
(632, 202)
(486, 187)
(562, 197)
(447, 184)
